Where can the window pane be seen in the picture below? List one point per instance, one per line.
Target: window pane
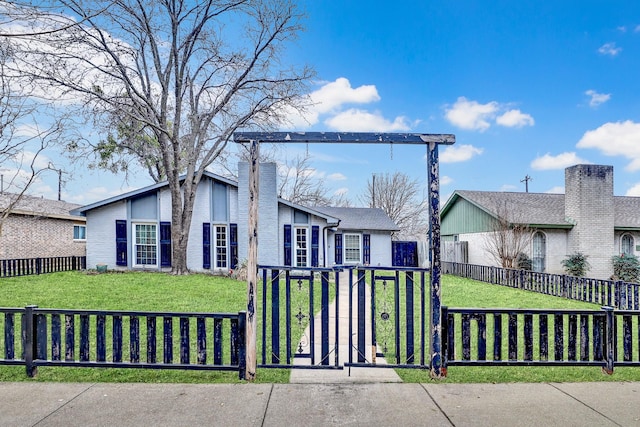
(145, 244)
(352, 248)
(627, 244)
(79, 232)
(301, 247)
(221, 246)
(300, 217)
(539, 252)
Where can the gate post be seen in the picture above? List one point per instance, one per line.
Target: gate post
(434, 240)
(29, 340)
(252, 266)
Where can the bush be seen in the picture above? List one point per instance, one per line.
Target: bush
(576, 264)
(626, 267)
(523, 262)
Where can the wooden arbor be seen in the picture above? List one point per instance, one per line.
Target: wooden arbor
(430, 140)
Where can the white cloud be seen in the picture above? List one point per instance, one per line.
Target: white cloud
(622, 29)
(357, 120)
(459, 153)
(331, 99)
(445, 180)
(471, 115)
(609, 49)
(597, 98)
(561, 161)
(556, 190)
(508, 187)
(615, 139)
(515, 118)
(634, 191)
(336, 177)
(637, 29)
(341, 191)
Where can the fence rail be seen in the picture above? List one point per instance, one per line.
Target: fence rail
(35, 337)
(619, 294)
(33, 266)
(507, 337)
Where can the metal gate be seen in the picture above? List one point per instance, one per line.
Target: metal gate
(329, 318)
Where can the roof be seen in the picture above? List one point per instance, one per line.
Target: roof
(81, 210)
(145, 190)
(39, 206)
(541, 208)
(360, 218)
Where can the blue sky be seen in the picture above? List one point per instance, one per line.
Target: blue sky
(528, 88)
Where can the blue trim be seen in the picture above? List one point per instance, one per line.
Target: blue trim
(121, 242)
(165, 244)
(206, 245)
(287, 244)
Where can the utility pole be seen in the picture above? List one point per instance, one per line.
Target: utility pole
(373, 191)
(526, 182)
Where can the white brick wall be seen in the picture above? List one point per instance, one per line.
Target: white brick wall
(267, 214)
(589, 205)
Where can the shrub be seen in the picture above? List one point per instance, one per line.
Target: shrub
(626, 267)
(523, 262)
(576, 264)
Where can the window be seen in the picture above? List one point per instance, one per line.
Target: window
(221, 246)
(539, 252)
(79, 232)
(626, 244)
(300, 217)
(145, 244)
(301, 247)
(352, 248)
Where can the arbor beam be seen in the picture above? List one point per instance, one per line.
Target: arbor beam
(345, 137)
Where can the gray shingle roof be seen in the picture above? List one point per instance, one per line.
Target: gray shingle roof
(360, 218)
(38, 206)
(544, 208)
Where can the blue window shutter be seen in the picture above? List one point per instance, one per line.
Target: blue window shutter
(315, 237)
(233, 242)
(287, 244)
(165, 244)
(206, 245)
(121, 242)
(338, 238)
(366, 249)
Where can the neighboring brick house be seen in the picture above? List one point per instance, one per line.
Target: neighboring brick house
(133, 230)
(40, 228)
(588, 218)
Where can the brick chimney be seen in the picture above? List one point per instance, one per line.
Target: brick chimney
(267, 213)
(589, 206)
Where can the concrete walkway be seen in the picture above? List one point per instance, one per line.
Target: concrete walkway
(383, 404)
(346, 375)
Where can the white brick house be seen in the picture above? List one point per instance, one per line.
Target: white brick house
(132, 231)
(588, 218)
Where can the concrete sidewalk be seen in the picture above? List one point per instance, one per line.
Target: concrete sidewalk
(388, 404)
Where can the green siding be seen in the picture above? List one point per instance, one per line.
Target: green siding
(464, 217)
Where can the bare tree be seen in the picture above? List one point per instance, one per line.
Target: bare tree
(298, 181)
(300, 184)
(174, 78)
(20, 149)
(400, 197)
(507, 238)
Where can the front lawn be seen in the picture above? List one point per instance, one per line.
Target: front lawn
(206, 293)
(128, 292)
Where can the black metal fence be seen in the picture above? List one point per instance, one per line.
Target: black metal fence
(508, 337)
(618, 294)
(32, 266)
(36, 337)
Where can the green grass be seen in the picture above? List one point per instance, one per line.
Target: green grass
(205, 293)
(459, 292)
(128, 292)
